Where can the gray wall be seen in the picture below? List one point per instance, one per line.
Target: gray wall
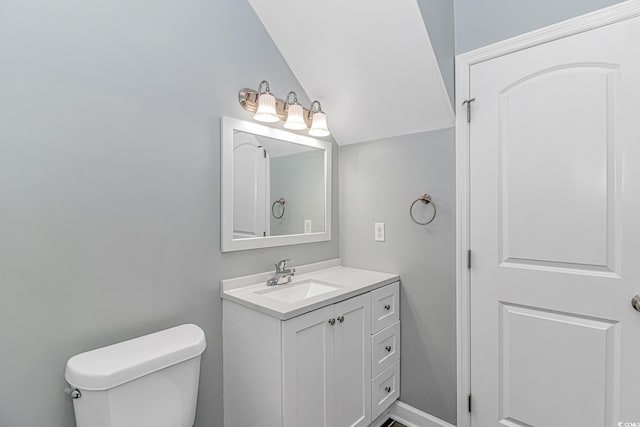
(438, 18)
(479, 23)
(378, 182)
(110, 183)
(299, 178)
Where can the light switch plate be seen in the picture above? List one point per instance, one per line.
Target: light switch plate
(307, 226)
(379, 231)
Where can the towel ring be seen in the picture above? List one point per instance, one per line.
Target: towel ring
(280, 201)
(426, 199)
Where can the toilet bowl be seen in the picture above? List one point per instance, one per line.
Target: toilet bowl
(150, 381)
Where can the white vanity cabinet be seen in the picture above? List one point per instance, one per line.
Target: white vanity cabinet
(326, 365)
(329, 367)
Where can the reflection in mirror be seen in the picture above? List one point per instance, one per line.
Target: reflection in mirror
(278, 187)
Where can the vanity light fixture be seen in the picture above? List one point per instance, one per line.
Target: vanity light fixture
(268, 108)
(295, 114)
(318, 121)
(266, 111)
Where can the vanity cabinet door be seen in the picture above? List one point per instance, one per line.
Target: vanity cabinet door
(308, 369)
(353, 362)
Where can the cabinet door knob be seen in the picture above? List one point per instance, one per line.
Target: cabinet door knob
(340, 319)
(332, 322)
(387, 307)
(387, 389)
(388, 348)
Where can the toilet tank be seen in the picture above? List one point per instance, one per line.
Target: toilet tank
(150, 381)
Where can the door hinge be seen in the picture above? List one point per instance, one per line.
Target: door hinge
(469, 402)
(468, 104)
(469, 259)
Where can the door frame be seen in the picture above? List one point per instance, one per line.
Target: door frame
(600, 18)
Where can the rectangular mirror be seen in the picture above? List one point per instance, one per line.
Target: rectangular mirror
(276, 187)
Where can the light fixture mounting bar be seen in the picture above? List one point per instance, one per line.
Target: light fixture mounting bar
(248, 99)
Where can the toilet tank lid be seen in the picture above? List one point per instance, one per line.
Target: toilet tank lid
(108, 367)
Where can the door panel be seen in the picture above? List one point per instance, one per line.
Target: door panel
(308, 369)
(353, 362)
(554, 208)
(250, 194)
(536, 353)
(556, 178)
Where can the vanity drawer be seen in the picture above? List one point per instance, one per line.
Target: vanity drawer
(385, 389)
(385, 349)
(385, 307)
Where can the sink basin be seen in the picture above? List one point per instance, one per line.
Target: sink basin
(296, 292)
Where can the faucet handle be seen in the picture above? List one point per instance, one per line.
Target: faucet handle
(282, 264)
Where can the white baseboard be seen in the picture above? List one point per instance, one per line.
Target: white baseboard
(412, 417)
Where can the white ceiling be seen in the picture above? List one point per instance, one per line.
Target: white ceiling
(369, 62)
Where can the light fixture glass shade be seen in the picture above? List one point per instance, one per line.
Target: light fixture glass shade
(266, 109)
(295, 119)
(319, 125)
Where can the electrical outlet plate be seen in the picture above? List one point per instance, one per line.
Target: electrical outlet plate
(307, 226)
(379, 231)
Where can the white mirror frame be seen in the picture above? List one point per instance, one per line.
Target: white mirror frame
(228, 243)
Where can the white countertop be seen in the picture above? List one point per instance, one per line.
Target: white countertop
(352, 281)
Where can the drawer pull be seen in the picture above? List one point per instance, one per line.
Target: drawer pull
(388, 348)
(387, 389)
(340, 319)
(332, 322)
(387, 307)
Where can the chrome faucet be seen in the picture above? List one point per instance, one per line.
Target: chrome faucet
(283, 274)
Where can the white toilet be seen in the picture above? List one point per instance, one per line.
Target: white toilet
(151, 381)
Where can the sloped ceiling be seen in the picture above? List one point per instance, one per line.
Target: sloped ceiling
(370, 63)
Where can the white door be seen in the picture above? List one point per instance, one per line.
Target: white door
(250, 187)
(308, 349)
(353, 362)
(555, 232)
